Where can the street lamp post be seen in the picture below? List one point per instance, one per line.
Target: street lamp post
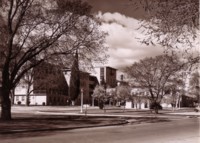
(81, 100)
(105, 86)
(92, 101)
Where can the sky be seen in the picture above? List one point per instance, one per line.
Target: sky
(121, 22)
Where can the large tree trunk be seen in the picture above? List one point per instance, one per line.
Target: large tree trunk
(104, 107)
(5, 97)
(5, 105)
(156, 110)
(27, 99)
(28, 96)
(12, 97)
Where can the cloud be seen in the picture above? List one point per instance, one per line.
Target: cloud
(125, 48)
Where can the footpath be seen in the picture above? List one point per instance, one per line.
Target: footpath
(37, 119)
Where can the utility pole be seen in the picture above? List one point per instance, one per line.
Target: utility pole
(92, 101)
(81, 100)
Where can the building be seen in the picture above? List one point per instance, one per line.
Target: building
(51, 87)
(92, 84)
(84, 85)
(48, 86)
(87, 84)
(106, 75)
(140, 97)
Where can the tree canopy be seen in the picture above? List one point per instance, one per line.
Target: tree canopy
(195, 86)
(171, 23)
(155, 74)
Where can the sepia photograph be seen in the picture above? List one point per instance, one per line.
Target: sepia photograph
(99, 71)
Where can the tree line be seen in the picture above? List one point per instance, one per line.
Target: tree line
(161, 77)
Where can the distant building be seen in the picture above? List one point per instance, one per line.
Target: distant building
(106, 75)
(93, 83)
(49, 87)
(140, 97)
(122, 78)
(84, 85)
(87, 83)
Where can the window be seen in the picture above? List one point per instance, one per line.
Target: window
(17, 98)
(23, 98)
(101, 71)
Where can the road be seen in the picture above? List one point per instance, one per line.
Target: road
(175, 131)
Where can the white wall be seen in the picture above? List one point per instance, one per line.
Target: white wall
(166, 105)
(20, 90)
(20, 99)
(128, 105)
(38, 100)
(34, 99)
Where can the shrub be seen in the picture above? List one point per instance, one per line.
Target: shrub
(101, 105)
(155, 105)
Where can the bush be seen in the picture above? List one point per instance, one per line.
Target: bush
(155, 105)
(101, 105)
(19, 102)
(197, 109)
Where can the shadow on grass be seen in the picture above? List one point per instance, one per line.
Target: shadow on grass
(140, 120)
(47, 125)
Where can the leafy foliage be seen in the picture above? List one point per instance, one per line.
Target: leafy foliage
(100, 93)
(155, 74)
(123, 93)
(194, 85)
(170, 22)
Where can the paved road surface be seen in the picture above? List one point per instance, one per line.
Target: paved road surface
(176, 131)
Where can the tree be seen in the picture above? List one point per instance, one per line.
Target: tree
(123, 94)
(101, 95)
(171, 23)
(28, 81)
(111, 93)
(89, 40)
(75, 79)
(154, 74)
(174, 89)
(138, 96)
(33, 32)
(194, 86)
(44, 78)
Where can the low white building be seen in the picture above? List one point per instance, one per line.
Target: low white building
(140, 100)
(34, 99)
